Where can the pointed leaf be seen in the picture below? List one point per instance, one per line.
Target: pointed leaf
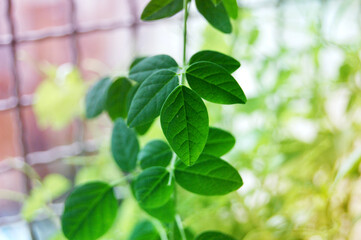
(184, 121)
(150, 97)
(231, 7)
(84, 208)
(158, 9)
(216, 15)
(229, 63)
(144, 230)
(155, 153)
(212, 235)
(208, 176)
(96, 98)
(124, 146)
(116, 103)
(214, 83)
(149, 65)
(152, 189)
(143, 129)
(219, 142)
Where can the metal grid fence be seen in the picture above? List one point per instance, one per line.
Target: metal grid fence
(17, 101)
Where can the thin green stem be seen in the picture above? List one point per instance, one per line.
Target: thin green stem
(171, 168)
(185, 6)
(180, 227)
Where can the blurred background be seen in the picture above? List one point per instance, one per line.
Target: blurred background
(298, 137)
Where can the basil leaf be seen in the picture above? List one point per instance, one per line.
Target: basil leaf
(214, 83)
(149, 98)
(116, 102)
(212, 235)
(219, 142)
(155, 153)
(158, 9)
(152, 189)
(229, 63)
(124, 146)
(184, 121)
(216, 15)
(84, 208)
(208, 176)
(150, 65)
(96, 98)
(144, 230)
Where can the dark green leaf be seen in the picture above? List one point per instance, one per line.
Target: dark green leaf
(125, 146)
(89, 212)
(208, 176)
(212, 235)
(213, 83)
(184, 121)
(216, 15)
(150, 97)
(229, 63)
(144, 230)
(164, 213)
(143, 129)
(116, 103)
(152, 188)
(96, 98)
(149, 65)
(136, 61)
(131, 95)
(231, 7)
(219, 142)
(157, 9)
(155, 153)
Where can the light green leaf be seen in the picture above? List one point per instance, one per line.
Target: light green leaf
(214, 83)
(150, 65)
(350, 164)
(219, 142)
(96, 98)
(212, 235)
(158, 9)
(150, 97)
(116, 103)
(152, 188)
(229, 63)
(124, 145)
(184, 121)
(155, 153)
(144, 230)
(216, 15)
(208, 176)
(231, 7)
(90, 211)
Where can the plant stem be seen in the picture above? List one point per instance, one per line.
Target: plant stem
(180, 227)
(185, 6)
(171, 168)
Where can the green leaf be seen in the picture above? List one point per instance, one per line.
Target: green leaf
(136, 61)
(219, 142)
(175, 234)
(153, 187)
(208, 176)
(144, 230)
(143, 129)
(90, 211)
(150, 97)
(216, 15)
(184, 121)
(124, 146)
(215, 2)
(213, 83)
(155, 153)
(229, 63)
(150, 65)
(96, 98)
(212, 235)
(231, 7)
(116, 103)
(164, 213)
(158, 9)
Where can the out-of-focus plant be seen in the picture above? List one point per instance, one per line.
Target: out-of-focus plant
(58, 98)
